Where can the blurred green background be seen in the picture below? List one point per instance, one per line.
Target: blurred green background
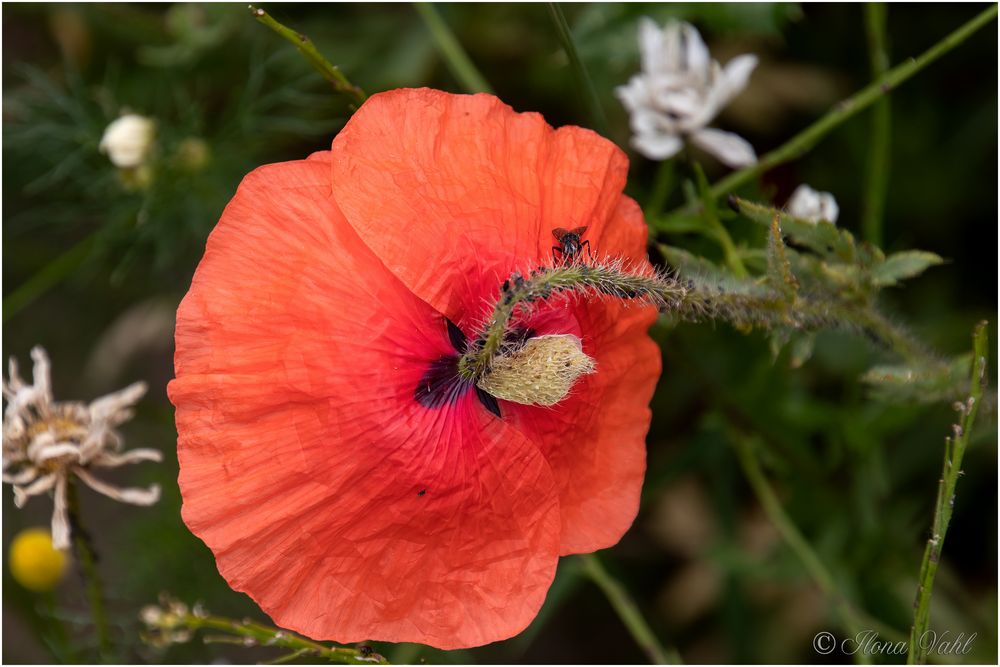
(94, 267)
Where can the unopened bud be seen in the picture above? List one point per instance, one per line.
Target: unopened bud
(128, 140)
(541, 372)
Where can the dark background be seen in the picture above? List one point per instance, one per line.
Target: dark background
(93, 270)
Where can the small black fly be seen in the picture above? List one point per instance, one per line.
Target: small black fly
(570, 244)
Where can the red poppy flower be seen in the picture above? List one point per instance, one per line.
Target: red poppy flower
(343, 474)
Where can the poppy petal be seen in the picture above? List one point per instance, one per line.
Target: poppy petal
(454, 192)
(594, 440)
(344, 507)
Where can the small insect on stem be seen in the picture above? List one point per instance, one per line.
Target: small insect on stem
(570, 245)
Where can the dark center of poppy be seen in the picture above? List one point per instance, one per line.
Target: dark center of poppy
(441, 384)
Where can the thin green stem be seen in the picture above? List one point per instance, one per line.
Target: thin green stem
(289, 657)
(841, 112)
(455, 57)
(583, 80)
(877, 180)
(663, 184)
(716, 229)
(88, 568)
(175, 616)
(793, 538)
(329, 71)
(628, 612)
(48, 277)
(954, 452)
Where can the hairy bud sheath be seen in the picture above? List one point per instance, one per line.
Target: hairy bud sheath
(541, 372)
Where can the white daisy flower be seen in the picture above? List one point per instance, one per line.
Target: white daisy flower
(45, 443)
(680, 91)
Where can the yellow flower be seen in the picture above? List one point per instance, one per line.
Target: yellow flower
(34, 562)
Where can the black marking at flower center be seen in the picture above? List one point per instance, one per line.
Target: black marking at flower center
(456, 336)
(441, 385)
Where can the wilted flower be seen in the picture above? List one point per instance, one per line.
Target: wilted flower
(166, 622)
(45, 443)
(128, 140)
(813, 206)
(34, 562)
(345, 474)
(678, 93)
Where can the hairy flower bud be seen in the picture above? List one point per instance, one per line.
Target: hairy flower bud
(541, 372)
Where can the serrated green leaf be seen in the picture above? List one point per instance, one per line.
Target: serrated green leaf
(823, 238)
(902, 265)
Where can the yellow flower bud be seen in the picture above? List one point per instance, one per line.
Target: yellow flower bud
(34, 562)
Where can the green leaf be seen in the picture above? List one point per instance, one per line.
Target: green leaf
(920, 384)
(902, 265)
(823, 238)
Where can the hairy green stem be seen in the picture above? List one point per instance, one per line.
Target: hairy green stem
(716, 229)
(87, 560)
(628, 611)
(807, 138)
(543, 283)
(954, 452)
(583, 80)
(455, 57)
(329, 71)
(877, 180)
(767, 308)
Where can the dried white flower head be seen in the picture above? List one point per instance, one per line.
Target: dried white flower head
(128, 140)
(678, 93)
(812, 206)
(541, 372)
(45, 443)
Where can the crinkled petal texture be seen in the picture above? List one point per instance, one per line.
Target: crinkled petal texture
(345, 507)
(453, 193)
(347, 510)
(442, 185)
